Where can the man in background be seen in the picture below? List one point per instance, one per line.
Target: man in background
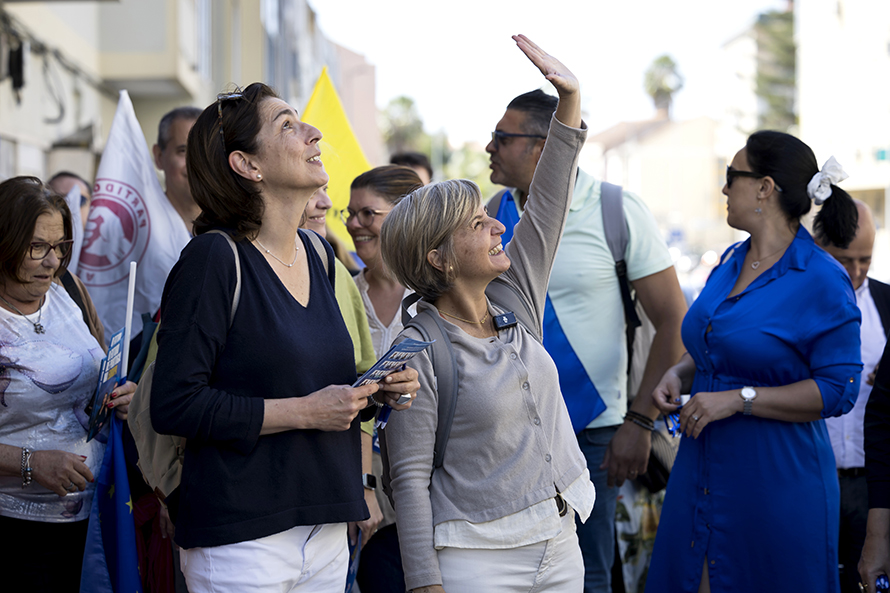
(846, 432)
(169, 157)
(63, 181)
(416, 161)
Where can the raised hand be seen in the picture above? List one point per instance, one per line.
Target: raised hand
(553, 70)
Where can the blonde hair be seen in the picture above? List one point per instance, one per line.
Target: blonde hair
(424, 220)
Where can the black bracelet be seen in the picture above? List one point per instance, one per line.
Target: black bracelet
(642, 418)
(648, 427)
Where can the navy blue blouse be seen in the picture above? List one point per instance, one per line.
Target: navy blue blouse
(759, 497)
(210, 382)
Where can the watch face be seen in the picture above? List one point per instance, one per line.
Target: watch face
(370, 481)
(748, 393)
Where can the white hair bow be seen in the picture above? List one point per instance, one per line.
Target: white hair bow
(819, 187)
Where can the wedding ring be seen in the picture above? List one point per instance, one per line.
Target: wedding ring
(71, 487)
(695, 418)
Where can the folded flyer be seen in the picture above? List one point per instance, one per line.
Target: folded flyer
(109, 377)
(394, 360)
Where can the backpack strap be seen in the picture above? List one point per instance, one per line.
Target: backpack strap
(71, 288)
(236, 298)
(441, 352)
(617, 238)
(326, 257)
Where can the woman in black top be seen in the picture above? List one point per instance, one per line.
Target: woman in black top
(272, 464)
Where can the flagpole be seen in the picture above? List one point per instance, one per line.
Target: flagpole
(131, 294)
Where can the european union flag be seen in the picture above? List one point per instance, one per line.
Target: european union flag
(110, 562)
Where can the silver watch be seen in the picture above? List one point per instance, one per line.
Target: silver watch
(748, 394)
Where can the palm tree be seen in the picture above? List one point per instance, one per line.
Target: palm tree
(662, 80)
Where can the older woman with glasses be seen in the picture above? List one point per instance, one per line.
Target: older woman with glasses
(272, 468)
(51, 346)
(373, 194)
(773, 348)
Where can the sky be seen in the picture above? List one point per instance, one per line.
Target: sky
(456, 59)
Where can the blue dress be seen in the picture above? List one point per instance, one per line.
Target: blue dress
(760, 497)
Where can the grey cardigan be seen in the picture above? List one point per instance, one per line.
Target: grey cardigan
(512, 443)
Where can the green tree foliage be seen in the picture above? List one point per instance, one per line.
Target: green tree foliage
(402, 127)
(775, 82)
(662, 81)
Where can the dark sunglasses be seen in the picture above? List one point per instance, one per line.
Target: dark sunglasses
(731, 174)
(497, 137)
(40, 249)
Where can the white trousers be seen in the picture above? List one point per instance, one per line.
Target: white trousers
(554, 565)
(301, 559)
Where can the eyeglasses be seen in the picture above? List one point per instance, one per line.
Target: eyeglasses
(365, 215)
(219, 105)
(40, 249)
(497, 136)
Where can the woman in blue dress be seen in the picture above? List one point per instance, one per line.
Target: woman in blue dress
(773, 347)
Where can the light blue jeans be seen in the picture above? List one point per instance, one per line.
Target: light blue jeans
(597, 535)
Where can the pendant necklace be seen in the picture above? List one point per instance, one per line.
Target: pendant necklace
(756, 264)
(38, 327)
(285, 264)
(480, 322)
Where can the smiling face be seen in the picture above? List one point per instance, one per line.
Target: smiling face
(367, 238)
(316, 210)
(288, 157)
(36, 276)
(477, 247)
(514, 160)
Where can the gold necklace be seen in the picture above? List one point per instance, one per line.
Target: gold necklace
(480, 322)
(756, 264)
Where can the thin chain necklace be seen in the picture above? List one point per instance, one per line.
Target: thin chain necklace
(38, 327)
(288, 265)
(480, 322)
(756, 264)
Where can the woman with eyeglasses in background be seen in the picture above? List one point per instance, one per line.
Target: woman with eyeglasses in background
(372, 196)
(51, 346)
(773, 344)
(272, 468)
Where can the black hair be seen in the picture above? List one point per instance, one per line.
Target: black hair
(792, 165)
(539, 107)
(412, 159)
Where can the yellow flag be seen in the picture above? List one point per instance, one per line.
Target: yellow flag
(340, 151)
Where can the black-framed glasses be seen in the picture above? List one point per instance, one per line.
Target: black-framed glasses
(40, 249)
(219, 105)
(365, 215)
(497, 136)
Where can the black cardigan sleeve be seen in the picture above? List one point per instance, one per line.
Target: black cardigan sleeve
(877, 437)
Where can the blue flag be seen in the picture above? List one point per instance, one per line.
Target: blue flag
(110, 561)
(580, 394)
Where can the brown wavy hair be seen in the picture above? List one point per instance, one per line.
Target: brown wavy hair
(226, 199)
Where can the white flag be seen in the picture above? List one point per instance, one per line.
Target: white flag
(130, 220)
(73, 199)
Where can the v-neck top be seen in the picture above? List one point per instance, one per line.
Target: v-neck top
(759, 497)
(211, 381)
